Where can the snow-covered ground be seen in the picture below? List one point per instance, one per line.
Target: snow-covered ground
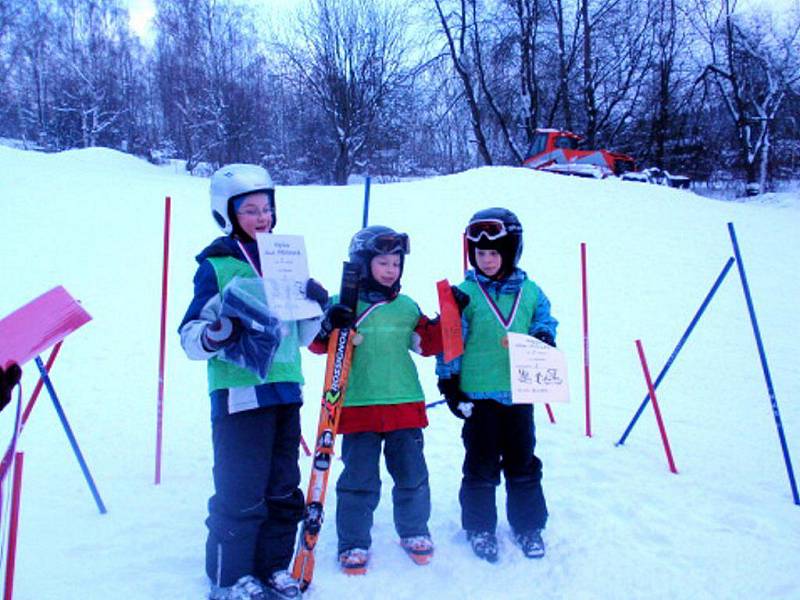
(621, 525)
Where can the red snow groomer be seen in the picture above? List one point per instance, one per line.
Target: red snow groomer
(557, 151)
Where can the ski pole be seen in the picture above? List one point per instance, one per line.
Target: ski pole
(32, 401)
(763, 356)
(656, 410)
(585, 339)
(16, 494)
(68, 430)
(38, 388)
(162, 342)
(365, 218)
(678, 347)
(304, 446)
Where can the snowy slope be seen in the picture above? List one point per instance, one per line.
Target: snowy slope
(621, 524)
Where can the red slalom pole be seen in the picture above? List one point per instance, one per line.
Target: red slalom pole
(36, 390)
(304, 446)
(14, 526)
(32, 401)
(584, 288)
(162, 343)
(550, 414)
(464, 252)
(659, 420)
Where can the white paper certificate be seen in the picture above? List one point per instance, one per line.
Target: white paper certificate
(538, 371)
(285, 269)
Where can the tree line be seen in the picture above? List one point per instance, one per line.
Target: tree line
(408, 87)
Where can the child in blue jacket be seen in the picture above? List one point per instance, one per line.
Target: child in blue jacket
(497, 297)
(257, 501)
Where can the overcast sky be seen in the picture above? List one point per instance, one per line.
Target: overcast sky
(142, 11)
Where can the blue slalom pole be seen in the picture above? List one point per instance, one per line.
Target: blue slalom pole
(73, 442)
(677, 349)
(365, 220)
(767, 377)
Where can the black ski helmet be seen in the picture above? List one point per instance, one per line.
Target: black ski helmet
(372, 241)
(505, 236)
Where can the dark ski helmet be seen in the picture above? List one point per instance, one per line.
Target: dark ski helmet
(495, 229)
(234, 181)
(372, 241)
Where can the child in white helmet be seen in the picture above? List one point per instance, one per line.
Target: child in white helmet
(257, 502)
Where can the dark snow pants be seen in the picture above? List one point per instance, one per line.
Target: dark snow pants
(257, 503)
(499, 438)
(358, 489)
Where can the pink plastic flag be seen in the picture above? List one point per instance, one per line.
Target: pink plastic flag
(41, 323)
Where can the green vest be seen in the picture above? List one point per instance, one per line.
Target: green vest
(485, 364)
(286, 365)
(382, 371)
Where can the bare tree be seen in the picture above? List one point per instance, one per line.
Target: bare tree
(351, 56)
(666, 33)
(455, 26)
(752, 68)
(9, 14)
(92, 37)
(211, 76)
(566, 60)
(25, 49)
(502, 116)
(617, 54)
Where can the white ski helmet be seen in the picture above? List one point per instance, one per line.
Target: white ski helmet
(232, 181)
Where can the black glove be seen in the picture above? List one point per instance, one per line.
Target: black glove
(461, 298)
(9, 378)
(338, 316)
(544, 336)
(221, 332)
(317, 293)
(457, 401)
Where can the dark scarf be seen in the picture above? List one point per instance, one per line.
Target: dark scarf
(371, 291)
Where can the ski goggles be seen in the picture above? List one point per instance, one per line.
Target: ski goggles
(390, 243)
(491, 229)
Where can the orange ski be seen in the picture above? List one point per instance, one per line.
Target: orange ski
(337, 369)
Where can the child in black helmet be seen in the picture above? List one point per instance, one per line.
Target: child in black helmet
(497, 435)
(255, 419)
(384, 403)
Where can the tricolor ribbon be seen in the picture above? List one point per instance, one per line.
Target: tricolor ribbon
(506, 323)
(369, 311)
(256, 270)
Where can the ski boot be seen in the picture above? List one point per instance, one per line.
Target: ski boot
(419, 548)
(531, 543)
(354, 561)
(246, 588)
(282, 586)
(484, 545)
